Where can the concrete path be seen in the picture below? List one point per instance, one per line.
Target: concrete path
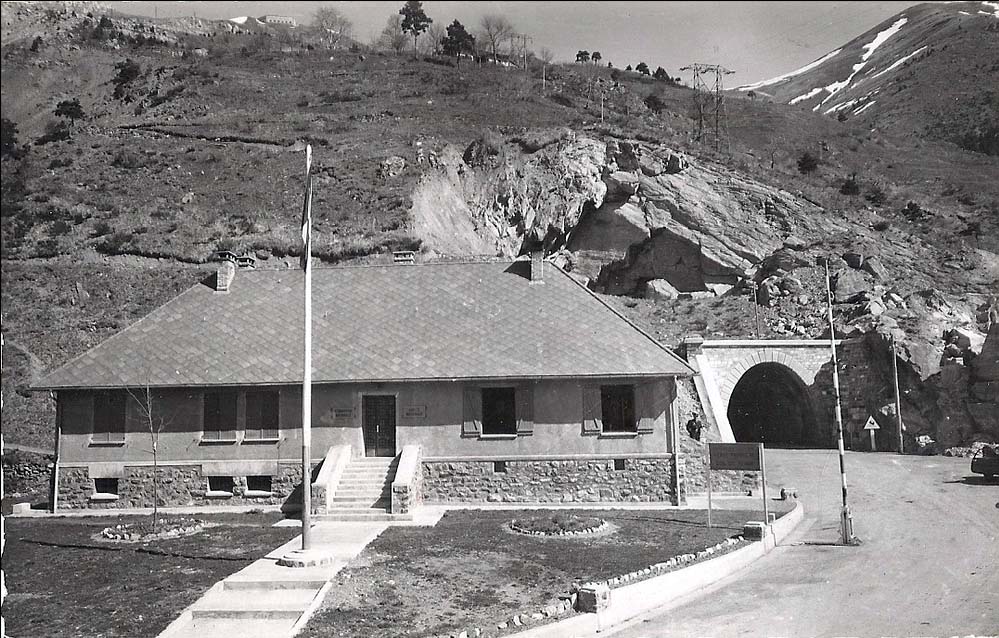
(265, 600)
(927, 565)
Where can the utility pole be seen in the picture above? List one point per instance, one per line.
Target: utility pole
(524, 39)
(846, 520)
(898, 399)
(709, 101)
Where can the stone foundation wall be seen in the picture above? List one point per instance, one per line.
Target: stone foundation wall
(179, 486)
(550, 481)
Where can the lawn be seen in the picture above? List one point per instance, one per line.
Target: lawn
(64, 583)
(470, 571)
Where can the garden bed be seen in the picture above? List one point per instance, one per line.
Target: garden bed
(65, 581)
(470, 571)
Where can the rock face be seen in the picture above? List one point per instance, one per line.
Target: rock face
(512, 201)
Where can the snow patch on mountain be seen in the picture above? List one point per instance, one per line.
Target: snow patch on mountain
(995, 9)
(780, 78)
(864, 107)
(239, 20)
(898, 63)
(806, 96)
(869, 49)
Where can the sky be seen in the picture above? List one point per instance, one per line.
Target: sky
(757, 40)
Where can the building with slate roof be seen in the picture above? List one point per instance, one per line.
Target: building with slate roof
(472, 382)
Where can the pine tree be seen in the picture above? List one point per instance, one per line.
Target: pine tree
(414, 20)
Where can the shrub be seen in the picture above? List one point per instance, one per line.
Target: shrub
(877, 195)
(54, 132)
(101, 228)
(850, 186)
(913, 212)
(128, 71)
(127, 159)
(807, 163)
(115, 244)
(655, 103)
(562, 100)
(8, 138)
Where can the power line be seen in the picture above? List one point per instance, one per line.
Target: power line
(709, 101)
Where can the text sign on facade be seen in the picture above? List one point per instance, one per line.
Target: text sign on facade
(736, 456)
(414, 412)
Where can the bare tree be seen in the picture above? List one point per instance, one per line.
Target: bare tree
(432, 41)
(333, 25)
(155, 423)
(392, 36)
(496, 30)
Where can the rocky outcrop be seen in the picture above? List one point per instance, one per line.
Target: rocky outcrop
(510, 201)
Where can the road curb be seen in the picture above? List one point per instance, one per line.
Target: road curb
(661, 592)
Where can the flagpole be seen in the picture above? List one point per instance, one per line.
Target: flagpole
(307, 364)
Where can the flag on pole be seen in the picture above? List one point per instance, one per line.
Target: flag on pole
(307, 211)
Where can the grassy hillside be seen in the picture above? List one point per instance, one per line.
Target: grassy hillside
(194, 154)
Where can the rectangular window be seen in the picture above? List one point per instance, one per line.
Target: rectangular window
(109, 417)
(619, 465)
(106, 486)
(219, 416)
(617, 408)
(499, 467)
(499, 411)
(261, 415)
(220, 485)
(258, 484)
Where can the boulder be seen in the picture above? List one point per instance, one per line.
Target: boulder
(795, 243)
(676, 164)
(853, 260)
(874, 266)
(782, 259)
(849, 285)
(660, 289)
(392, 166)
(621, 185)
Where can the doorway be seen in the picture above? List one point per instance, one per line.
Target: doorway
(378, 420)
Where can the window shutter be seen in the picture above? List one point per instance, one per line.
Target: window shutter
(472, 423)
(592, 416)
(525, 410)
(652, 401)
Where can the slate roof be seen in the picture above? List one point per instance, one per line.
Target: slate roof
(375, 323)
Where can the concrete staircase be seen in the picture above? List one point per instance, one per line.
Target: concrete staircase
(364, 492)
(252, 608)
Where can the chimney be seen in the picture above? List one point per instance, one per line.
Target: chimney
(538, 267)
(224, 275)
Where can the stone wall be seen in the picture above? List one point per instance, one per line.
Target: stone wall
(179, 486)
(550, 481)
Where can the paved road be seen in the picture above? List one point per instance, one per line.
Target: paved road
(928, 566)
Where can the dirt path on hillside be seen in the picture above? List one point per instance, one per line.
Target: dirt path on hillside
(927, 565)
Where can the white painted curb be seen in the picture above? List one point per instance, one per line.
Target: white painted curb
(660, 592)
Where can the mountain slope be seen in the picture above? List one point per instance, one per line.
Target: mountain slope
(930, 70)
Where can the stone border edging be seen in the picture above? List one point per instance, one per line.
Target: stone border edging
(659, 591)
(562, 534)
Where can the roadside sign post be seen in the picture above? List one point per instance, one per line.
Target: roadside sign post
(872, 427)
(738, 456)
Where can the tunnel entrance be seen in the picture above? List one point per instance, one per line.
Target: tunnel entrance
(770, 405)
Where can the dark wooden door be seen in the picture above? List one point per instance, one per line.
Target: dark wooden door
(379, 425)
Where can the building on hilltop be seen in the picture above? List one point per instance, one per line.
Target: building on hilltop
(272, 19)
(453, 382)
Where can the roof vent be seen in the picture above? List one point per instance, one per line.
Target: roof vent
(404, 257)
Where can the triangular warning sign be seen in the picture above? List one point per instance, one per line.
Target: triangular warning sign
(871, 424)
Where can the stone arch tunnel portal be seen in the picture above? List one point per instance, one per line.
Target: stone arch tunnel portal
(770, 404)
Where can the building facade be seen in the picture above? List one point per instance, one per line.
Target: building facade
(511, 382)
